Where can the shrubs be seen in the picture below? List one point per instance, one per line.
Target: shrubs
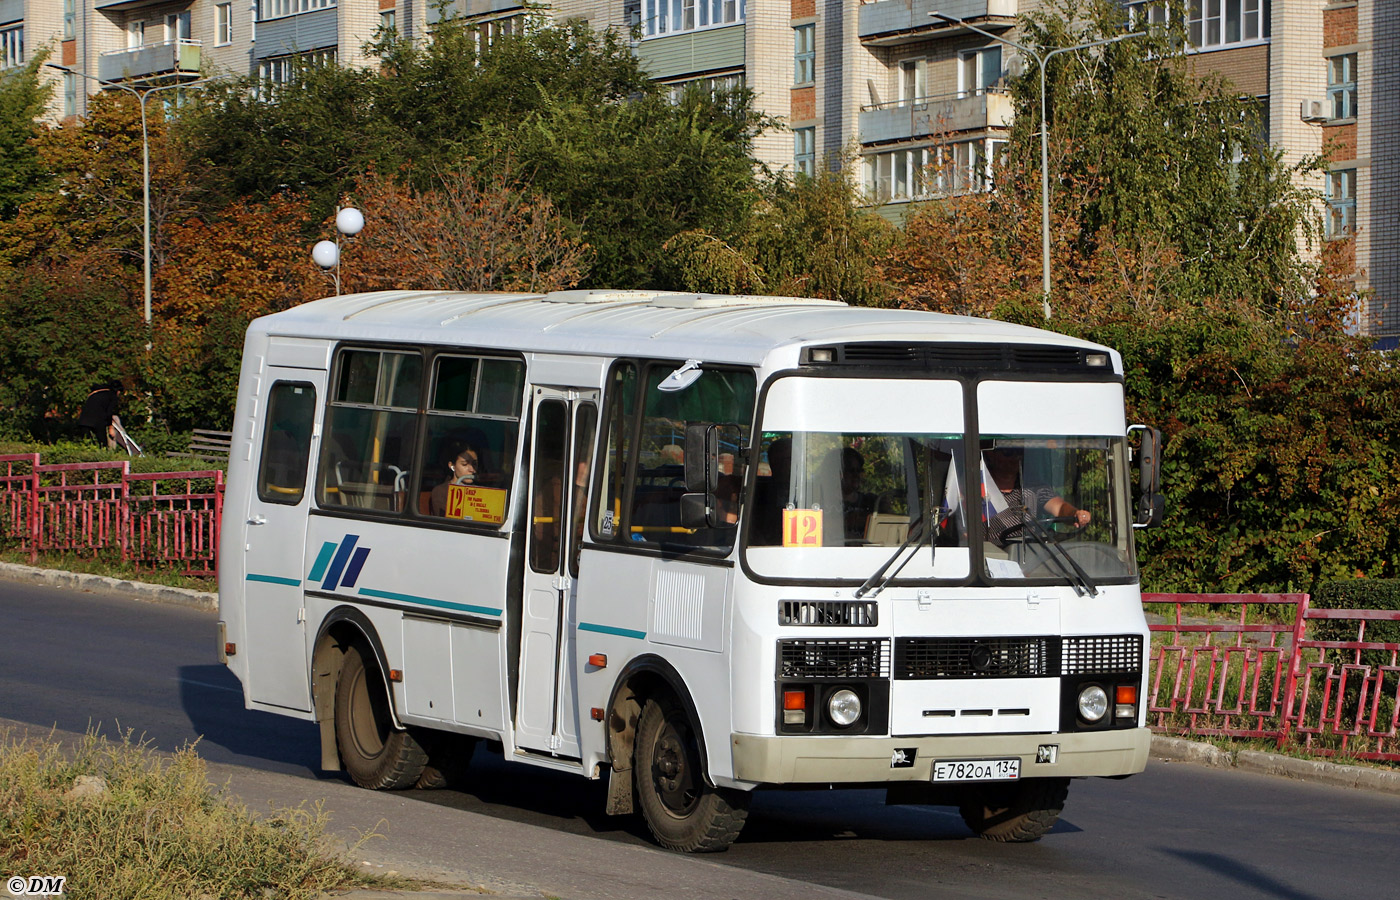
(121, 822)
(1360, 593)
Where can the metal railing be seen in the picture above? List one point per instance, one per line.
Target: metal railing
(1267, 673)
(156, 520)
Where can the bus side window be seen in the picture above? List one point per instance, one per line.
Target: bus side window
(291, 411)
(612, 466)
(473, 417)
(371, 419)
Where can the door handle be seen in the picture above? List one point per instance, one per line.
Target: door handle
(258, 520)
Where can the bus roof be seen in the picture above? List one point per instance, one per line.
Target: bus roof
(714, 327)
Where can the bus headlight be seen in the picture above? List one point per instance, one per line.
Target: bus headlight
(844, 707)
(1093, 703)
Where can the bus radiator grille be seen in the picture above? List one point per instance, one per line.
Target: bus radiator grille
(834, 659)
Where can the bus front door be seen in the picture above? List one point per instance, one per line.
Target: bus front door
(565, 423)
(275, 542)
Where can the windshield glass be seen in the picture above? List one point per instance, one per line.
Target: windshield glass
(1054, 505)
(843, 480)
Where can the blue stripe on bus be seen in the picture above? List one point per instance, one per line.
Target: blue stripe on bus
(427, 601)
(275, 579)
(323, 559)
(608, 629)
(352, 572)
(342, 556)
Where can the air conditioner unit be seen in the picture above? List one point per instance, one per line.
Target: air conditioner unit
(1314, 111)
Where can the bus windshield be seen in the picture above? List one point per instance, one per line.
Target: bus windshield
(1055, 507)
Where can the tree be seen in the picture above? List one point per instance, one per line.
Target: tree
(463, 234)
(22, 101)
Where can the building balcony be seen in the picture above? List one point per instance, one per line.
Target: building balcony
(150, 61)
(889, 23)
(949, 115)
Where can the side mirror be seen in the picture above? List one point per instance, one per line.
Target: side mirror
(701, 458)
(1151, 505)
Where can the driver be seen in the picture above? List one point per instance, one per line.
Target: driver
(1018, 503)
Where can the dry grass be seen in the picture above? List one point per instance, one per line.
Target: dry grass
(156, 829)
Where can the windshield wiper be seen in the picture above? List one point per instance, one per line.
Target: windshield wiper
(877, 580)
(1078, 578)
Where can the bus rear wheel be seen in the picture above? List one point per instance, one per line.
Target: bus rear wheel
(682, 811)
(1015, 813)
(375, 754)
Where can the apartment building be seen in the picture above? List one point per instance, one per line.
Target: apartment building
(917, 104)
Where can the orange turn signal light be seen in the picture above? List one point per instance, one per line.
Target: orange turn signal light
(396, 675)
(598, 659)
(1125, 693)
(230, 649)
(597, 713)
(794, 699)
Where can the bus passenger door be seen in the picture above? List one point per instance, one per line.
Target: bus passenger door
(565, 422)
(275, 539)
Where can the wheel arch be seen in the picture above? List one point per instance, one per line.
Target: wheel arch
(342, 626)
(642, 678)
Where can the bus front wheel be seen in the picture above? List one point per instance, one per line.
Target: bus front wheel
(375, 754)
(682, 811)
(1019, 812)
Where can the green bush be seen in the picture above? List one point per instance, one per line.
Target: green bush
(1359, 593)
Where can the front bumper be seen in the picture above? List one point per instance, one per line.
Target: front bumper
(761, 759)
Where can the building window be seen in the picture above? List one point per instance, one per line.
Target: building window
(487, 33)
(177, 26)
(804, 54)
(1341, 85)
(717, 85)
(223, 24)
(282, 70)
(920, 173)
(979, 71)
(1145, 13)
(804, 151)
(12, 47)
(1341, 203)
(70, 19)
(136, 34)
(675, 16)
(272, 9)
(70, 94)
(1220, 23)
(913, 80)
(389, 21)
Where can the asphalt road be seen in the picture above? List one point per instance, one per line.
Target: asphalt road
(77, 660)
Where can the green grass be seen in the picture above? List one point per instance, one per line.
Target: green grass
(111, 566)
(158, 830)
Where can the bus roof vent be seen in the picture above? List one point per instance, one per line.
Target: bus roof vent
(984, 356)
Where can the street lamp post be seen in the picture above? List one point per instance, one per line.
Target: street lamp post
(1044, 133)
(326, 254)
(141, 96)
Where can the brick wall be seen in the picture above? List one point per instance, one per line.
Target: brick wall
(1339, 27)
(1340, 142)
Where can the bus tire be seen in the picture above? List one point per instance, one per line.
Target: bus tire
(374, 753)
(681, 810)
(449, 758)
(1015, 813)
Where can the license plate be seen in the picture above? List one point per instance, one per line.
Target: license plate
(977, 770)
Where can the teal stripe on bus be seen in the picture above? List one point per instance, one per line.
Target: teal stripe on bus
(275, 579)
(428, 601)
(608, 629)
(323, 559)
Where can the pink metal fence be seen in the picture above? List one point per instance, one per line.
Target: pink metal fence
(165, 520)
(1348, 691)
(1273, 678)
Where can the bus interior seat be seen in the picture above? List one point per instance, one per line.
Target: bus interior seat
(886, 529)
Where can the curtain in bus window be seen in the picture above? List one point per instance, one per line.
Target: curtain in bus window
(724, 397)
(469, 446)
(291, 411)
(368, 451)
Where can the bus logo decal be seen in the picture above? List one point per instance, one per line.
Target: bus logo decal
(339, 563)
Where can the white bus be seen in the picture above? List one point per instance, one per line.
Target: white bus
(693, 544)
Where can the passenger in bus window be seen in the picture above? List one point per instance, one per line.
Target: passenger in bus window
(464, 467)
(1011, 503)
(858, 504)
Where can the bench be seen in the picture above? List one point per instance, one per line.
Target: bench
(212, 446)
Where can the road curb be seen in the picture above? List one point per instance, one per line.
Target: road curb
(1276, 764)
(136, 590)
